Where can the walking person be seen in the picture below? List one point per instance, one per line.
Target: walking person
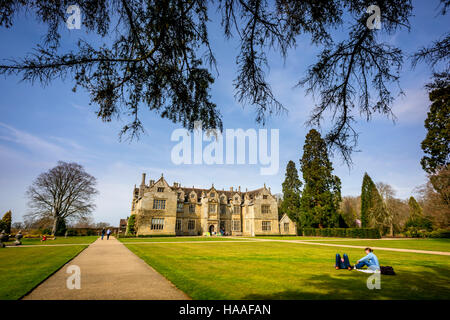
(108, 233)
(103, 232)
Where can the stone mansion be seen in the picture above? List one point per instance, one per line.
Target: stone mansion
(162, 209)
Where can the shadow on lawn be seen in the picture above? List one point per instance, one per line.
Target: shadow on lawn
(433, 284)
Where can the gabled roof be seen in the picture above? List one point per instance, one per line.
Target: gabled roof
(285, 217)
(198, 191)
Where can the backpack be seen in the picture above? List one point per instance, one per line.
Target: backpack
(387, 270)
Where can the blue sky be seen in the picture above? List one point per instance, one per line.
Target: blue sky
(41, 125)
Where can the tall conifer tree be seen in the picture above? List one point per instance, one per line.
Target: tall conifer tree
(291, 192)
(373, 210)
(321, 196)
(415, 211)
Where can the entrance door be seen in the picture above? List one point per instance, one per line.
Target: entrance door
(211, 229)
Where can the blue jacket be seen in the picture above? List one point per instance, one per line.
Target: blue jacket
(371, 260)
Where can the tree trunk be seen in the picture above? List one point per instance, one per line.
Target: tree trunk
(55, 224)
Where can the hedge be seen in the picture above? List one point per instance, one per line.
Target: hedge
(416, 233)
(81, 232)
(367, 233)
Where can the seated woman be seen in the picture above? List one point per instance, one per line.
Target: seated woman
(343, 263)
(370, 260)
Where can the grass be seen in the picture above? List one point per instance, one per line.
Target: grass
(418, 244)
(58, 240)
(177, 239)
(283, 270)
(21, 269)
(425, 244)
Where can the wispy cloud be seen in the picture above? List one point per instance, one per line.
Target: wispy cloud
(27, 140)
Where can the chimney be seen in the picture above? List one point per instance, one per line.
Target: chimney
(152, 182)
(231, 189)
(142, 186)
(239, 188)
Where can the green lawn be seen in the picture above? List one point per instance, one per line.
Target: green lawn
(425, 244)
(296, 238)
(283, 270)
(21, 269)
(58, 240)
(177, 239)
(418, 244)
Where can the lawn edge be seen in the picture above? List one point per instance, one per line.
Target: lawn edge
(158, 272)
(52, 273)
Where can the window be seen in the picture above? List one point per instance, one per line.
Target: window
(212, 194)
(160, 189)
(266, 226)
(236, 225)
(192, 208)
(179, 194)
(286, 227)
(157, 223)
(236, 198)
(222, 225)
(212, 208)
(178, 225)
(265, 196)
(265, 209)
(159, 204)
(193, 195)
(180, 206)
(191, 224)
(223, 209)
(236, 209)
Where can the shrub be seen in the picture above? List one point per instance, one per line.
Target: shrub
(131, 226)
(6, 222)
(369, 233)
(71, 233)
(46, 231)
(419, 223)
(440, 233)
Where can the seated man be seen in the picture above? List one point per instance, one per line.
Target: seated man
(343, 263)
(370, 260)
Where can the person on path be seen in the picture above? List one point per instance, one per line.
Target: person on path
(103, 233)
(108, 233)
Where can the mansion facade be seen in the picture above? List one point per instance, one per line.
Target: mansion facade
(163, 209)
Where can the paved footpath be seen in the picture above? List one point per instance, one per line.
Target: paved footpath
(109, 271)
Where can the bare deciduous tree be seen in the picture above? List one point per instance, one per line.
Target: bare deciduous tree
(63, 193)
